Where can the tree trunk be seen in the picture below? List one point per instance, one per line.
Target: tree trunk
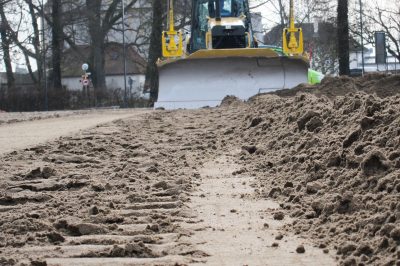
(97, 47)
(343, 37)
(36, 44)
(57, 46)
(5, 46)
(97, 68)
(154, 50)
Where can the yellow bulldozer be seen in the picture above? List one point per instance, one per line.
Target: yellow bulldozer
(222, 57)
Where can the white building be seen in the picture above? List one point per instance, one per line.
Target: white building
(392, 65)
(114, 69)
(137, 32)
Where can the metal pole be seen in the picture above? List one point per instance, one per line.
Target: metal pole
(46, 100)
(387, 59)
(124, 52)
(362, 38)
(168, 8)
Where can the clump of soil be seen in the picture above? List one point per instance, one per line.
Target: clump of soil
(230, 100)
(383, 85)
(331, 157)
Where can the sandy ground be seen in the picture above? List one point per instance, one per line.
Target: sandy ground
(24, 130)
(15, 117)
(240, 229)
(302, 179)
(162, 195)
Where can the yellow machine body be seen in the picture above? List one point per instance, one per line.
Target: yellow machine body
(295, 44)
(172, 40)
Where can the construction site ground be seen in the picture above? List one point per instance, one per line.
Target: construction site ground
(303, 177)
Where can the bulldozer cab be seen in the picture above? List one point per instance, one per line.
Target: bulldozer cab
(229, 8)
(227, 12)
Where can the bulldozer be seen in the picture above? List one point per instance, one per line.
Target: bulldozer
(222, 57)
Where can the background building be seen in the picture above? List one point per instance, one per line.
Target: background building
(370, 65)
(114, 68)
(137, 33)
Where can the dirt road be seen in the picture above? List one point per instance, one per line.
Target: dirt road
(37, 128)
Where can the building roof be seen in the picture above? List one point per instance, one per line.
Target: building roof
(114, 60)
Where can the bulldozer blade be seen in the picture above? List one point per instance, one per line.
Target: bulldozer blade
(194, 83)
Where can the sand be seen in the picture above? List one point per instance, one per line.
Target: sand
(306, 178)
(27, 130)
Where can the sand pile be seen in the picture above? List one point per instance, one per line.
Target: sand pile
(230, 100)
(383, 85)
(332, 162)
(331, 158)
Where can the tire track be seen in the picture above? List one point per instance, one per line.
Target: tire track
(110, 195)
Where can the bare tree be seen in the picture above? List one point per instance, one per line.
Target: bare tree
(71, 23)
(20, 36)
(5, 46)
(101, 18)
(390, 22)
(57, 46)
(25, 38)
(183, 13)
(155, 49)
(29, 46)
(305, 10)
(378, 18)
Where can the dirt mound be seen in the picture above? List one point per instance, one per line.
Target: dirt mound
(230, 100)
(383, 85)
(332, 159)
